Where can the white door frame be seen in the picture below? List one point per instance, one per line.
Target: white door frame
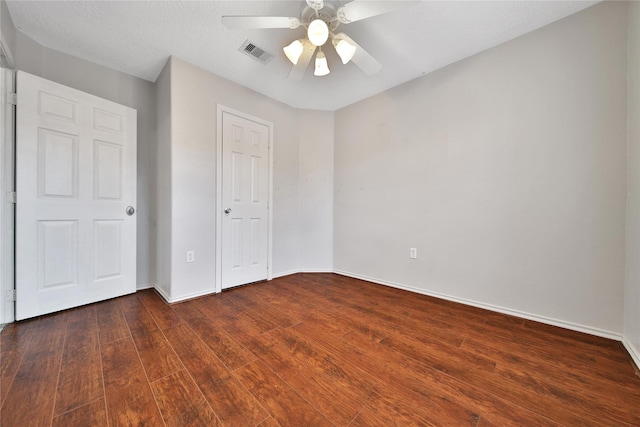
(7, 184)
(220, 110)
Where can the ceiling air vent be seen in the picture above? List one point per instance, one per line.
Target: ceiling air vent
(255, 52)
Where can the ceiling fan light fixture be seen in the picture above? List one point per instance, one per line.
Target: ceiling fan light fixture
(322, 68)
(345, 49)
(318, 32)
(294, 51)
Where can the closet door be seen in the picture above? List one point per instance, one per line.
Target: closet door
(245, 194)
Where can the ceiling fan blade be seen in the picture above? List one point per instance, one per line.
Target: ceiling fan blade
(259, 22)
(357, 10)
(297, 71)
(362, 58)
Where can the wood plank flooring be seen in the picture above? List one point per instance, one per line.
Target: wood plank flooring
(308, 350)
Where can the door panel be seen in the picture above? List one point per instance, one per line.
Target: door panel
(76, 175)
(57, 164)
(107, 168)
(108, 248)
(57, 254)
(245, 193)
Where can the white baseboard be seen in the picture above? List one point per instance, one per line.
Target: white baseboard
(284, 273)
(529, 316)
(183, 297)
(162, 294)
(200, 294)
(303, 270)
(316, 270)
(147, 286)
(633, 351)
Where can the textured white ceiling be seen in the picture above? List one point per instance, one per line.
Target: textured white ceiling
(137, 37)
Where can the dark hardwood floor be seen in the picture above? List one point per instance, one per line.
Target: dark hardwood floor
(308, 350)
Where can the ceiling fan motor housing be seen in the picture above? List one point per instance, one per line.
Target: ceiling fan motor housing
(315, 4)
(328, 14)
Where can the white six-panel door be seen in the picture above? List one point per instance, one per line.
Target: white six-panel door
(75, 179)
(245, 195)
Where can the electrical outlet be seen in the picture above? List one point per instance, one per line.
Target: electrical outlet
(413, 253)
(191, 256)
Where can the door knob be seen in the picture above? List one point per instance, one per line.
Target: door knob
(130, 210)
(227, 211)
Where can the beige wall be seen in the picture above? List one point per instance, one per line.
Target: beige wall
(193, 180)
(162, 154)
(316, 190)
(505, 170)
(195, 94)
(632, 289)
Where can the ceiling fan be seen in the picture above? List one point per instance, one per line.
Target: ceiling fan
(321, 19)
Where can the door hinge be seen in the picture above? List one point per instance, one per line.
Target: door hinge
(11, 197)
(12, 98)
(10, 295)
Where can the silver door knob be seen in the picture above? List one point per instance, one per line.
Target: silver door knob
(227, 211)
(130, 210)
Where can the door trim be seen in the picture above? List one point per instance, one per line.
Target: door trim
(220, 110)
(7, 184)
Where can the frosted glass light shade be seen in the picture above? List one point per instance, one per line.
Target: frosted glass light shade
(318, 32)
(345, 49)
(294, 51)
(322, 68)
